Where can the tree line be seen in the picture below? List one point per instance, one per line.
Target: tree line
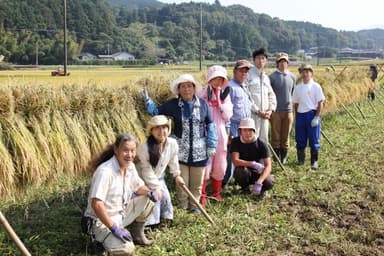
(32, 30)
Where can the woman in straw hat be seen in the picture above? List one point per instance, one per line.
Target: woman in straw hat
(155, 155)
(217, 96)
(194, 132)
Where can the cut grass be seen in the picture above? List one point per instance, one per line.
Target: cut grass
(336, 210)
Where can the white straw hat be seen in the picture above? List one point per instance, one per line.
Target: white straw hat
(183, 79)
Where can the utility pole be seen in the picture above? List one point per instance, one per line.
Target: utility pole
(37, 53)
(65, 38)
(201, 34)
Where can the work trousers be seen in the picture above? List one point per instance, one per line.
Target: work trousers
(193, 178)
(281, 124)
(138, 209)
(246, 176)
(304, 132)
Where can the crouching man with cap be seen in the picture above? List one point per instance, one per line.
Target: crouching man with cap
(250, 155)
(119, 202)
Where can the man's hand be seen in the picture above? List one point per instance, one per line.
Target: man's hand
(257, 189)
(121, 233)
(315, 121)
(257, 166)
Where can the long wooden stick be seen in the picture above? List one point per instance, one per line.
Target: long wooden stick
(206, 215)
(326, 138)
(373, 107)
(344, 107)
(378, 93)
(360, 110)
(13, 235)
(350, 114)
(276, 156)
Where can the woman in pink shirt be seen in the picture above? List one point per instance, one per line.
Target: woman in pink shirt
(219, 101)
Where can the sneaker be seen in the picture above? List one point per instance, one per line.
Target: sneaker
(315, 166)
(196, 211)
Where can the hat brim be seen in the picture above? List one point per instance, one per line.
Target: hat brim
(282, 58)
(242, 127)
(175, 86)
(302, 69)
(150, 126)
(243, 66)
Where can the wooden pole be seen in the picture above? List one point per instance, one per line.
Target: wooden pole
(378, 93)
(350, 114)
(373, 107)
(360, 110)
(13, 235)
(344, 107)
(276, 156)
(206, 215)
(326, 138)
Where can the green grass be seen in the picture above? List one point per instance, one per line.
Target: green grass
(336, 210)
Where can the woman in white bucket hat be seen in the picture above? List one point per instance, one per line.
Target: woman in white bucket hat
(194, 132)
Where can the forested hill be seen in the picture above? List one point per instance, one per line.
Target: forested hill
(153, 30)
(136, 3)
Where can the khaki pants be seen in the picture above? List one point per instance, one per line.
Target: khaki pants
(281, 124)
(193, 178)
(138, 209)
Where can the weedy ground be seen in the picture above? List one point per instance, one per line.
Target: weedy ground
(335, 210)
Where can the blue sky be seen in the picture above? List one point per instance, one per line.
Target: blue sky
(351, 15)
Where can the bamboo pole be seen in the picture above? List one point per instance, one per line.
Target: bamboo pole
(344, 107)
(13, 235)
(373, 107)
(206, 215)
(326, 138)
(350, 114)
(360, 110)
(276, 156)
(378, 93)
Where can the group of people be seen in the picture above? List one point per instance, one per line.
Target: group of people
(203, 136)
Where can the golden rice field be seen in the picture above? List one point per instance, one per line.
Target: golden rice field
(51, 126)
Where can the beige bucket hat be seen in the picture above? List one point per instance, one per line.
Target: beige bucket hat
(247, 123)
(158, 120)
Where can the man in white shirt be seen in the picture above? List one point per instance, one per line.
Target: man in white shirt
(262, 94)
(307, 101)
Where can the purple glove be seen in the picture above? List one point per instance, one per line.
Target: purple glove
(121, 233)
(153, 196)
(257, 189)
(257, 166)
